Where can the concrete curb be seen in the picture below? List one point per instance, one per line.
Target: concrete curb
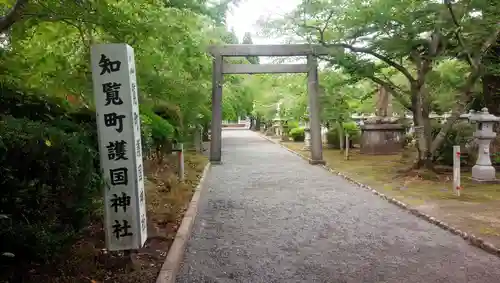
(470, 238)
(175, 254)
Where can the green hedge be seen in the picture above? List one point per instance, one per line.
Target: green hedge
(48, 187)
(50, 183)
(297, 134)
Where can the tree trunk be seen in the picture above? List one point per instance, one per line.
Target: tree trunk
(252, 123)
(257, 123)
(491, 80)
(340, 130)
(206, 126)
(423, 128)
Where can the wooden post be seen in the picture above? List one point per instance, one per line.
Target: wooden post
(180, 155)
(456, 169)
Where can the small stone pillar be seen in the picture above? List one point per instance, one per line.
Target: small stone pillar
(483, 171)
(198, 138)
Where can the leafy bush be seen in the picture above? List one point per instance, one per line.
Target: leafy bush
(157, 132)
(332, 136)
(297, 134)
(30, 105)
(460, 134)
(48, 187)
(293, 124)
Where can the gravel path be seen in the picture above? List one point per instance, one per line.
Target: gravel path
(268, 216)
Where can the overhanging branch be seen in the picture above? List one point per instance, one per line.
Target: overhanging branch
(355, 49)
(13, 15)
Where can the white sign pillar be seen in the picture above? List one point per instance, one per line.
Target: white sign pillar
(119, 130)
(456, 169)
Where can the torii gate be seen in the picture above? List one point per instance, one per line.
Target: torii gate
(245, 50)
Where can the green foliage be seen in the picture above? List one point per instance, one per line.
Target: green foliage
(460, 134)
(297, 134)
(349, 128)
(53, 200)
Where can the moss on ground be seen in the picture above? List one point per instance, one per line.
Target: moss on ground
(475, 210)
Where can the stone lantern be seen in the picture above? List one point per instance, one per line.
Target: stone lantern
(284, 130)
(483, 171)
(307, 131)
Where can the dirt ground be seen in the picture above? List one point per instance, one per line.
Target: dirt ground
(167, 201)
(476, 211)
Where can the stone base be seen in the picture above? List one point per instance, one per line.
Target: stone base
(382, 139)
(215, 162)
(317, 162)
(285, 138)
(483, 172)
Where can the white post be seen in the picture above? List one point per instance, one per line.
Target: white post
(198, 139)
(346, 144)
(180, 155)
(119, 132)
(456, 169)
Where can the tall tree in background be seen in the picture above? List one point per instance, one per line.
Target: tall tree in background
(247, 39)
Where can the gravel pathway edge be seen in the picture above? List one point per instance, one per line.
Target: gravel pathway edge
(471, 238)
(176, 252)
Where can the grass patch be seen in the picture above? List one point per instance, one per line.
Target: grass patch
(473, 211)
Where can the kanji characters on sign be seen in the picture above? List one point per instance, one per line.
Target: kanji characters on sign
(114, 120)
(108, 66)
(117, 107)
(117, 150)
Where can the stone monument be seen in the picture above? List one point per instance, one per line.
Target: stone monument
(483, 171)
(382, 134)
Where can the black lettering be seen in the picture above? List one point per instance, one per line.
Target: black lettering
(134, 93)
(117, 150)
(138, 149)
(122, 201)
(143, 222)
(108, 66)
(120, 230)
(114, 120)
(112, 91)
(119, 176)
(136, 120)
(139, 172)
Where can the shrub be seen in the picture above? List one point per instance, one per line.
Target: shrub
(332, 136)
(33, 106)
(52, 201)
(460, 134)
(156, 132)
(293, 124)
(297, 134)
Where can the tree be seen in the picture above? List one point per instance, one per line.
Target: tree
(13, 15)
(408, 38)
(247, 39)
